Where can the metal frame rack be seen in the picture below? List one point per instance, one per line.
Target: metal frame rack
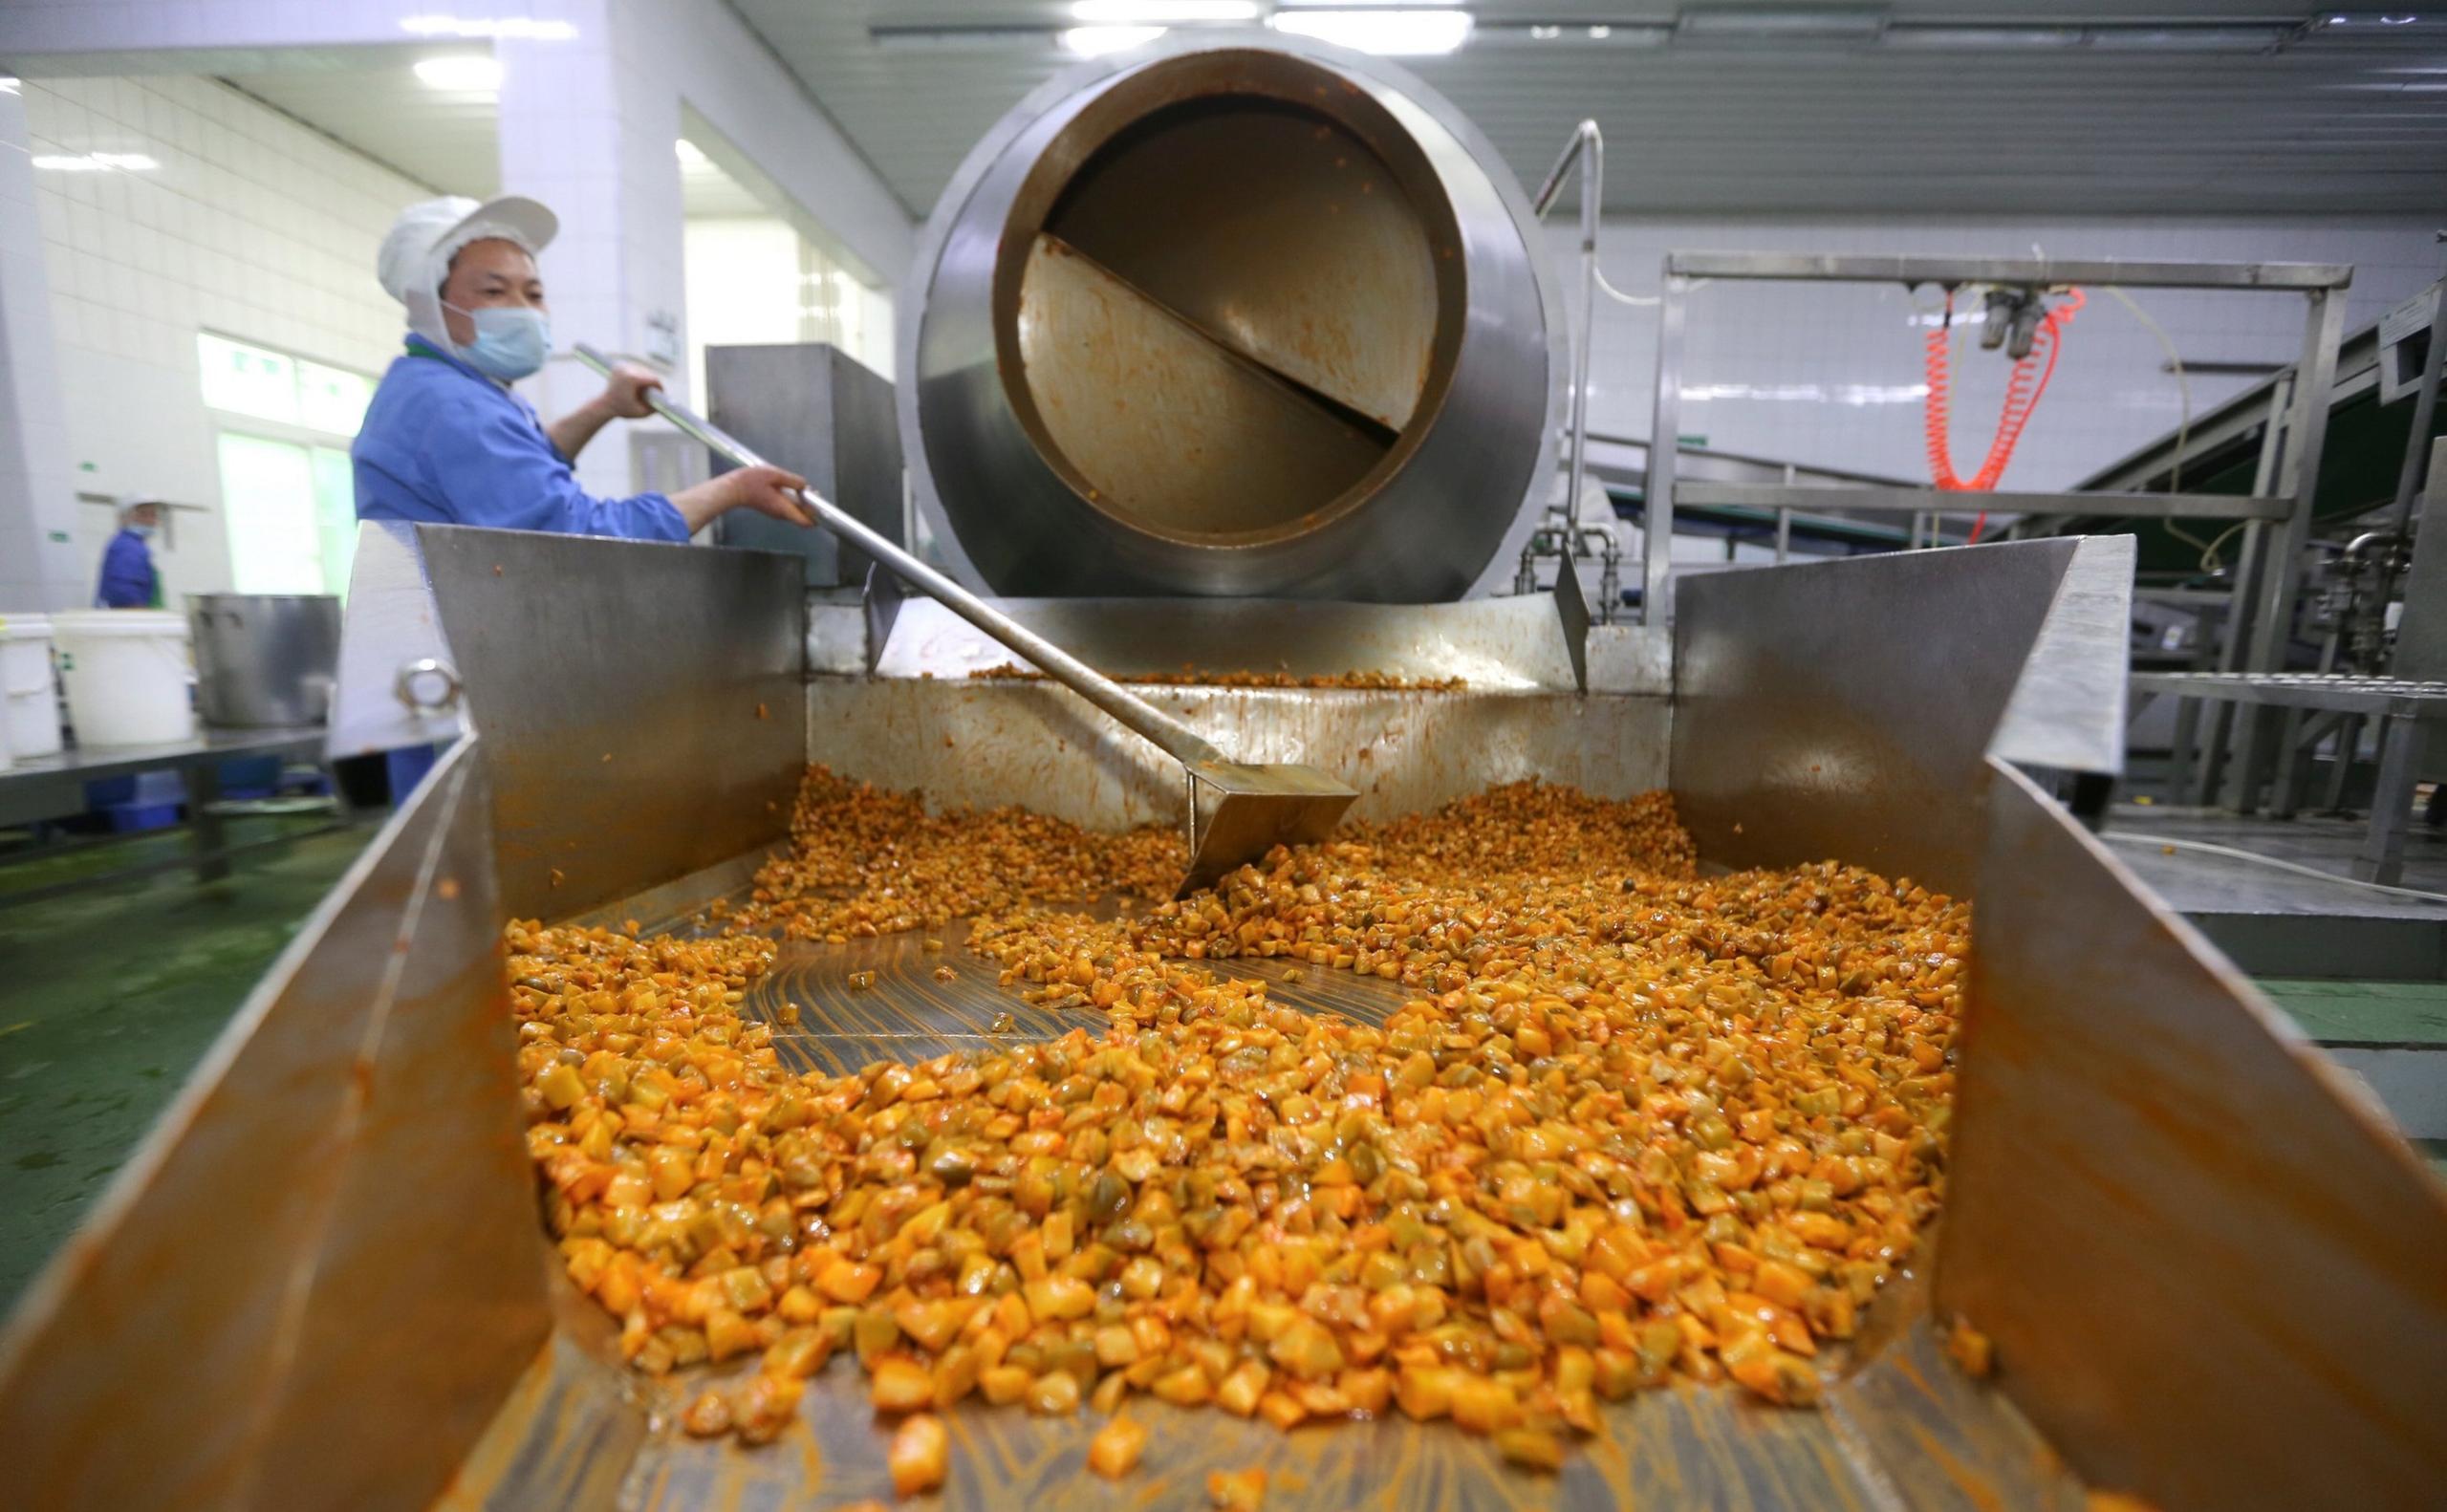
(2405, 712)
(2285, 505)
(2405, 706)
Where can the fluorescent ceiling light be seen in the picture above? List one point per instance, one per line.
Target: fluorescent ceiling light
(95, 163)
(1575, 35)
(1388, 32)
(1161, 12)
(518, 28)
(1980, 38)
(460, 73)
(1780, 26)
(2189, 38)
(1096, 41)
(691, 156)
(8, 85)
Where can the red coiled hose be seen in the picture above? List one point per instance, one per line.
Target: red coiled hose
(2022, 390)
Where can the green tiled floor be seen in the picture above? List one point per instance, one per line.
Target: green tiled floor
(108, 996)
(2365, 1012)
(2410, 1015)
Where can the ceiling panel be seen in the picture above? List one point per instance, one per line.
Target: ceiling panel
(370, 98)
(2325, 126)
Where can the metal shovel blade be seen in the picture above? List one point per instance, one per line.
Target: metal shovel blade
(1255, 809)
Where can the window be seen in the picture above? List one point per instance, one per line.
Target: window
(288, 494)
(332, 398)
(248, 380)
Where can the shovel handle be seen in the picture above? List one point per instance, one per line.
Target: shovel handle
(1175, 739)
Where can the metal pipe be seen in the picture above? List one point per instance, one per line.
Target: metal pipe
(1588, 147)
(1657, 490)
(1169, 734)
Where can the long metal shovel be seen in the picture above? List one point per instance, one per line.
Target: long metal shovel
(1237, 812)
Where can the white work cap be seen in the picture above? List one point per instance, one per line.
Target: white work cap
(416, 254)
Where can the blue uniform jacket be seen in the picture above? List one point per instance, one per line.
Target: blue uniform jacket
(444, 445)
(128, 580)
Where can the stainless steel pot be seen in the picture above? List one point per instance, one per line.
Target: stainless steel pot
(264, 658)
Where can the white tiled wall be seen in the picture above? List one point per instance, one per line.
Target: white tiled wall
(252, 226)
(1832, 375)
(38, 565)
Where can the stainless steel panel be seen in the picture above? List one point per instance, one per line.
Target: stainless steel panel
(1912, 501)
(2068, 706)
(1631, 658)
(1881, 268)
(1845, 708)
(390, 627)
(319, 1273)
(2211, 1272)
(1442, 514)
(643, 706)
(975, 744)
(264, 658)
(816, 410)
(1490, 643)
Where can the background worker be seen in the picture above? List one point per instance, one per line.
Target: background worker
(128, 578)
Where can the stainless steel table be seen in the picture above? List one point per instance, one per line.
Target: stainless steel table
(2405, 709)
(50, 787)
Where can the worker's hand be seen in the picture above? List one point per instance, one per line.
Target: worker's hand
(625, 391)
(766, 490)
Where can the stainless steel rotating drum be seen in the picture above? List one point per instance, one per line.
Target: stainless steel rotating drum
(1233, 319)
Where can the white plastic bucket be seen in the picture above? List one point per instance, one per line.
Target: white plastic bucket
(28, 708)
(127, 671)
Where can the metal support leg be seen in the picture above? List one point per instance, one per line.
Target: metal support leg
(1783, 534)
(2383, 847)
(2179, 750)
(2282, 573)
(2349, 748)
(2222, 774)
(207, 835)
(2303, 731)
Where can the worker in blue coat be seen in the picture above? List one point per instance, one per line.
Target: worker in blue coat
(446, 441)
(128, 578)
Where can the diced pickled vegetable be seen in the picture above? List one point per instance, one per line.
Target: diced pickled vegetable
(900, 1385)
(921, 1455)
(1236, 1490)
(1631, 1125)
(1113, 1453)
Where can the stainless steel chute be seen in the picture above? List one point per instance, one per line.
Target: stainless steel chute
(1229, 320)
(2203, 1259)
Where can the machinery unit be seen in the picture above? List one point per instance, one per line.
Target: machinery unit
(1232, 321)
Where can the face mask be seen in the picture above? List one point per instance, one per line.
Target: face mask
(512, 342)
(144, 532)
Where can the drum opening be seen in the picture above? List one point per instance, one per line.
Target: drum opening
(1227, 302)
